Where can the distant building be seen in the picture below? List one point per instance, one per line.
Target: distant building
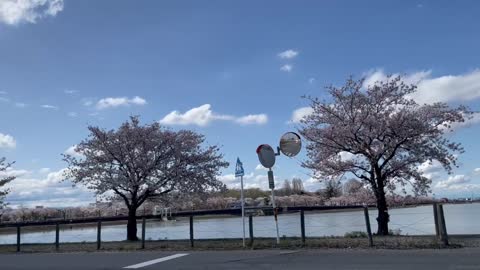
(39, 207)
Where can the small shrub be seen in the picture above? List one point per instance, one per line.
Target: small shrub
(355, 234)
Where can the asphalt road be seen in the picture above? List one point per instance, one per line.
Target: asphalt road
(461, 259)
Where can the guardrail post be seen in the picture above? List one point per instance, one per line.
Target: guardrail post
(143, 232)
(99, 235)
(367, 224)
(435, 219)
(191, 231)
(57, 236)
(250, 229)
(302, 225)
(18, 238)
(443, 226)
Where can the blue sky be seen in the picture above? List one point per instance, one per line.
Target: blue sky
(241, 66)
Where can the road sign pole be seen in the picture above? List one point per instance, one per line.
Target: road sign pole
(272, 187)
(290, 146)
(243, 209)
(240, 172)
(275, 216)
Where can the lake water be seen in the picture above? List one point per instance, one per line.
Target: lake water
(460, 219)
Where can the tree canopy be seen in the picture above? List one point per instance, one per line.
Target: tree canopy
(379, 135)
(137, 162)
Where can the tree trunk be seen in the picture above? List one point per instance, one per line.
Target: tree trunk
(132, 225)
(383, 216)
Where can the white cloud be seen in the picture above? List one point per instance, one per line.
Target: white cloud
(476, 171)
(20, 105)
(311, 80)
(286, 68)
(260, 167)
(88, 103)
(3, 99)
(258, 119)
(70, 92)
(200, 116)
(249, 181)
(464, 87)
(9, 172)
(288, 54)
(312, 184)
(72, 114)
(300, 113)
(7, 141)
(44, 170)
(138, 101)
(113, 102)
(431, 169)
(469, 121)
(14, 12)
(72, 152)
(48, 190)
(346, 156)
(203, 115)
(3, 92)
(49, 107)
(435, 171)
(453, 182)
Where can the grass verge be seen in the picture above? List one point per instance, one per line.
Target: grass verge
(388, 242)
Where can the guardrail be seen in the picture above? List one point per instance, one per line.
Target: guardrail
(234, 211)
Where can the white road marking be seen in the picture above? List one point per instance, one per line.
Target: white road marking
(289, 252)
(159, 260)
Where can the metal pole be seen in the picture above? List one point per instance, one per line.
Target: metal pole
(99, 234)
(302, 225)
(191, 231)
(143, 232)
(435, 219)
(367, 223)
(18, 238)
(57, 236)
(275, 216)
(243, 209)
(271, 183)
(443, 226)
(250, 228)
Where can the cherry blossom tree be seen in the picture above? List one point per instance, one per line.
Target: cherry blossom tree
(136, 162)
(380, 136)
(4, 179)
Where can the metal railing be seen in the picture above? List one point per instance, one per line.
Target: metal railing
(303, 223)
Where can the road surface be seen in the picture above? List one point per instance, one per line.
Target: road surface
(453, 259)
